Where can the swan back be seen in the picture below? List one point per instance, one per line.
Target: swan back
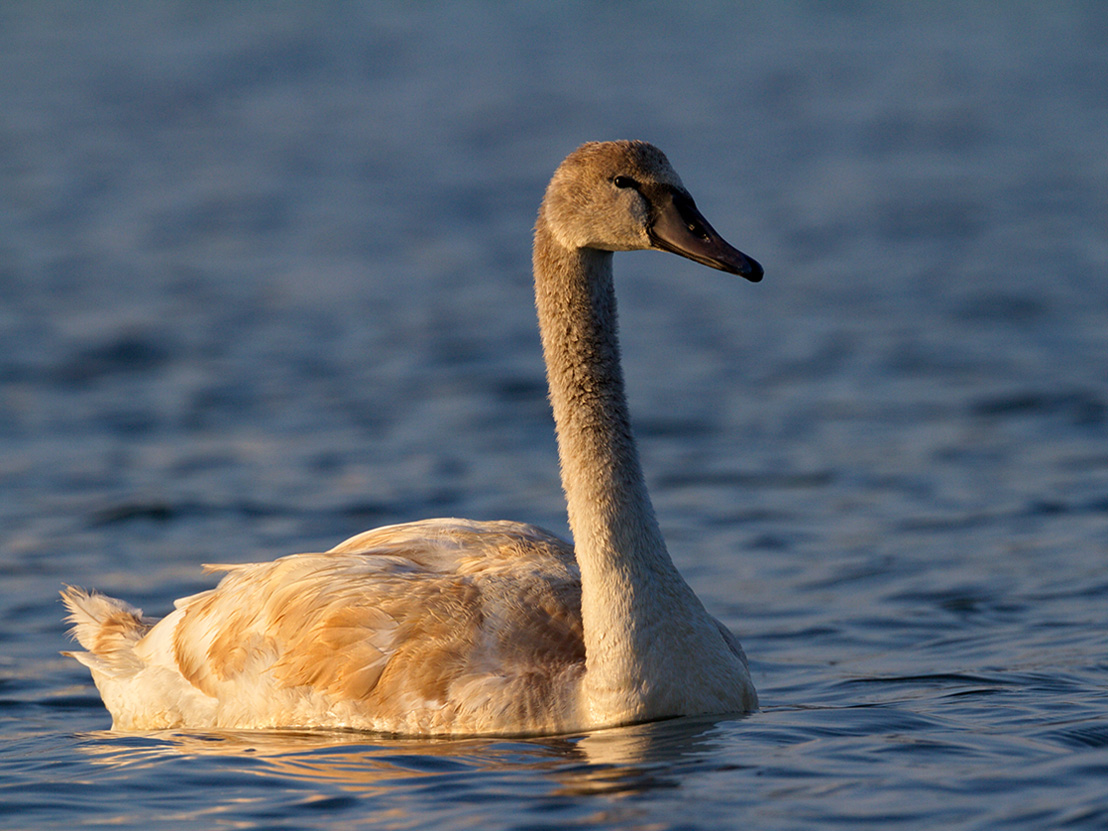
(439, 626)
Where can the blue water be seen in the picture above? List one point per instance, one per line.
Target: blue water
(264, 283)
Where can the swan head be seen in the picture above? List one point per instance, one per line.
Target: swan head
(625, 196)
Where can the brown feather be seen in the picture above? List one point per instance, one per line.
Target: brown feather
(395, 622)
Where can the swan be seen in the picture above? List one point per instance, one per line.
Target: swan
(450, 626)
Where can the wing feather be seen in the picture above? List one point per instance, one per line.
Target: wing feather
(442, 619)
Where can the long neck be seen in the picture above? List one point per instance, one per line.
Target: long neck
(610, 513)
(628, 582)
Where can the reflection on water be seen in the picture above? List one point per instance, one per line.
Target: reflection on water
(625, 760)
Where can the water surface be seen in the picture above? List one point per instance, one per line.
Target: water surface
(264, 283)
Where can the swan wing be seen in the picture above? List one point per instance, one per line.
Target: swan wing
(431, 625)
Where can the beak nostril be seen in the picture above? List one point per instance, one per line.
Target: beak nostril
(697, 231)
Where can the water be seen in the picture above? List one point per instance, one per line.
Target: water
(264, 283)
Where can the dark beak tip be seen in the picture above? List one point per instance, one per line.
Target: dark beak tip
(751, 270)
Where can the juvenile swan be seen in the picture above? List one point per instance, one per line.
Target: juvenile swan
(448, 626)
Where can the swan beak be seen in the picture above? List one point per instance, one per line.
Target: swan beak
(680, 228)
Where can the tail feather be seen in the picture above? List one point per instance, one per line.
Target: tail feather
(107, 628)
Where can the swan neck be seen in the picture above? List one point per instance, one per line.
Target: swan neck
(610, 513)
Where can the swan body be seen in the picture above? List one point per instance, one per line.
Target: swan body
(449, 626)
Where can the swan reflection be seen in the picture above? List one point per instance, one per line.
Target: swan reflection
(616, 761)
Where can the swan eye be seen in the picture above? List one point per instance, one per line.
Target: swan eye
(624, 182)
